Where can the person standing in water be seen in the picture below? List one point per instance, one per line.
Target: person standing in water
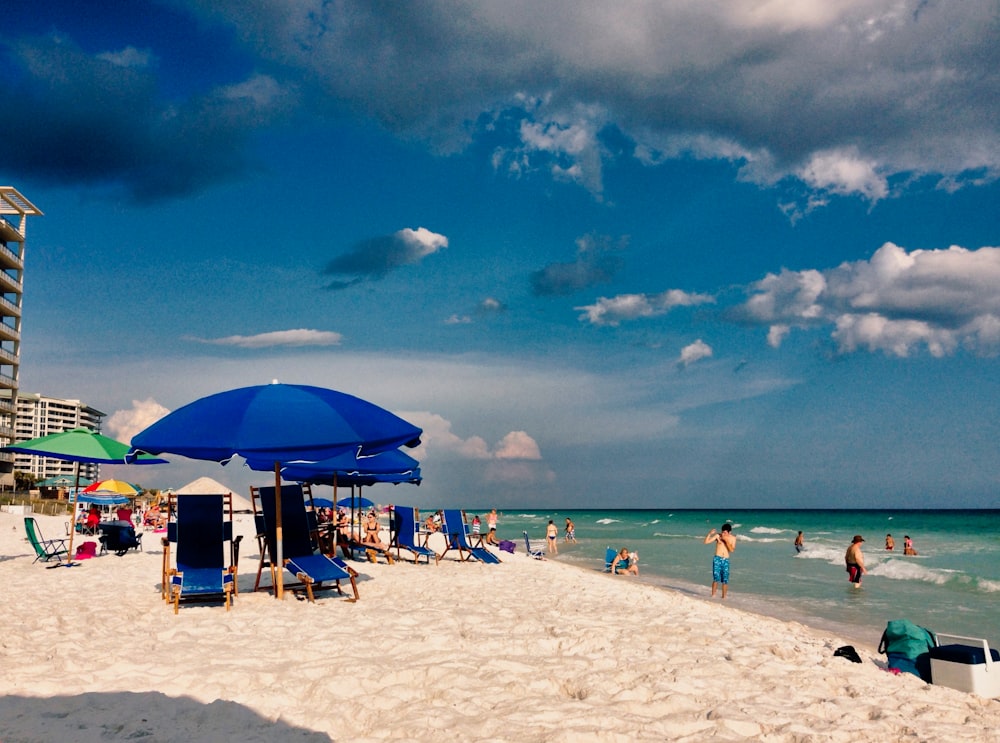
(855, 561)
(551, 536)
(725, 543)
(570, 530)
(890, 543)
(799, 542)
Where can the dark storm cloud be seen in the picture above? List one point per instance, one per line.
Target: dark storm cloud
(99, 120)
(372, 259)
(597, 262)
(840, 95)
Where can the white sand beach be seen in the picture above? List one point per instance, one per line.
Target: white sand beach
(524, 651)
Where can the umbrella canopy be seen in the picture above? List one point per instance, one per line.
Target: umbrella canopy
(80, 445)
(113, 487)
(101, 499)
(350, 469)
(358, 502)
(277, 424)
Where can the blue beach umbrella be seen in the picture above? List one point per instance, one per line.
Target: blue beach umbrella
(353, 502)
(276, 424)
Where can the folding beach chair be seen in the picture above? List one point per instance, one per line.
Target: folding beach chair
(45, 549)
(532, 551)
(405, 522)
(456, 537)
(609, 558)
(199, 527)
(314, 571)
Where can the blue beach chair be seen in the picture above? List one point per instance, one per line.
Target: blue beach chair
(200, 528)
(456, 537)
(405, 534)
(609, 558)
(532, 551)
(314, 571)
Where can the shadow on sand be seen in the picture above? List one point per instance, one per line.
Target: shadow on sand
(145, 716)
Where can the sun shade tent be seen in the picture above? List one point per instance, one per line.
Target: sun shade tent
(279, 424)
(81, 445)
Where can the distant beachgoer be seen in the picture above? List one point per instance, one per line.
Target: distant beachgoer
(799, 542)
(623, 565)
(855, 561)
(491, 520)
(552, 537)
(725, 543)
(890, 543)
(491, 537)
(570, 530)
(908, 546)
(477, 525)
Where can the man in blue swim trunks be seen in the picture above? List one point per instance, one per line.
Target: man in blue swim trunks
(725, 543)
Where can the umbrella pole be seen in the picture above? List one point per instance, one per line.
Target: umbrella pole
(279, 590)
(72, 518)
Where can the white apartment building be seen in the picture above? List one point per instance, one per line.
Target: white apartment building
(38, 415)
(14, 213)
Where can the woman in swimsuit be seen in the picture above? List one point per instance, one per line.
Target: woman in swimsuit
(623, 565)
(552, 533)
(371, 532)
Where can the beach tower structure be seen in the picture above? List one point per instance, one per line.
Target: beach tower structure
(14, 212)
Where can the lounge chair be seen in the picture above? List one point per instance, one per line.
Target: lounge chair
(456, 537)
(119, 537)
(299, 556)
(45, 549)
(532, 551)
(405, 533)
(609, 558)
(201, 528)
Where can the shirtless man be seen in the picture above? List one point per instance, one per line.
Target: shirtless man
(725, 543)
(890, 543)
(855, 561)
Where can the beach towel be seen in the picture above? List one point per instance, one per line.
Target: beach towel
(507, 546)
(907, 647)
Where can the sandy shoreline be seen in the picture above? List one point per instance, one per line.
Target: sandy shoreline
(526, 651)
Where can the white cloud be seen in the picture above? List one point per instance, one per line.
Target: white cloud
(613, 311)
(439, 439)
(841, 94)
(124, 424)
(129, 57)
(517, 445)
(844, 172)
(894, 303)
(694, 352)
(278, 338)
(422, 242)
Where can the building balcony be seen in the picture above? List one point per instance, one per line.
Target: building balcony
(9, 284)
(9, 233)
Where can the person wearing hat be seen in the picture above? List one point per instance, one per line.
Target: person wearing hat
(855, 561)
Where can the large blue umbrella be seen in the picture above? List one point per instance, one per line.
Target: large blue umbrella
(278, 424)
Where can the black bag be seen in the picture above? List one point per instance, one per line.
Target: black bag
(847, 651)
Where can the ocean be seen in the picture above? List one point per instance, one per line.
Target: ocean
(952, 585)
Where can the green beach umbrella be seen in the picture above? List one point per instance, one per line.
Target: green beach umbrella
(80, 445)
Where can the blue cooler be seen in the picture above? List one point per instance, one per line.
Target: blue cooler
(968, 665)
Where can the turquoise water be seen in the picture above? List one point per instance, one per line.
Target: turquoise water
(951, 586)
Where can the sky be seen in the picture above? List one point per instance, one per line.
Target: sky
(643, 254)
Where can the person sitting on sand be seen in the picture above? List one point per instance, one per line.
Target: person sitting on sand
(855, 561)
(371, 532)
(623, 565)
(491, 538)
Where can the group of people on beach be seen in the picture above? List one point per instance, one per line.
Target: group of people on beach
(855, 561)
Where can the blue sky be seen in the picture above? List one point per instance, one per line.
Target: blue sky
(641, 255)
